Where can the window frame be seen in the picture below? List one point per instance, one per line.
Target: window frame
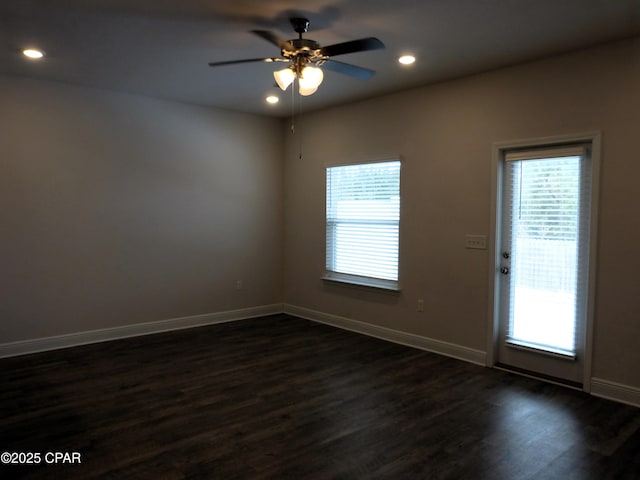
(354, 279)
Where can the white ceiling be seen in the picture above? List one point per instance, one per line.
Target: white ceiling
(161, 48)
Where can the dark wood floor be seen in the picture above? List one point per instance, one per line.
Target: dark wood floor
(279, 397)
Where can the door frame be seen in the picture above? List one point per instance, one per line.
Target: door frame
(497, 157)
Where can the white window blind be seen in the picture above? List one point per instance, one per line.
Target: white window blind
(548, 196)
(363, 215)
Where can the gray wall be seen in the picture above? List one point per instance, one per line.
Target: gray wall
(119, 209)
(444, 134)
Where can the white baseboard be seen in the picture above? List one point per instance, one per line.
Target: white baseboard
(599, 387)
(615, 391)
(94, 336)
(416, 341)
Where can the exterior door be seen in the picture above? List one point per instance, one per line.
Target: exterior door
(543, 260)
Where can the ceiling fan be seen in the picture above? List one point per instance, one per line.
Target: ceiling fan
(306, 56)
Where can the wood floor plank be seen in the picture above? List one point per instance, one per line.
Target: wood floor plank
(280, 397)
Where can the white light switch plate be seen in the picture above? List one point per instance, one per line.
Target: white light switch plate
(475, 241)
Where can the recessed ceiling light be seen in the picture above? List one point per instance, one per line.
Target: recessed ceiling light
(407, 59)
(33, 53)
(272, 99)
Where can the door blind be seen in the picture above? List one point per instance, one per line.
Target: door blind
(547, 235)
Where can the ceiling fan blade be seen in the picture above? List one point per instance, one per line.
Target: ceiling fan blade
(348, 69)
(248, 60)
(273, 38)
(361, 45)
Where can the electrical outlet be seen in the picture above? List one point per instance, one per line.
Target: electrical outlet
(475, 241)
(421, 305)
(238, 284)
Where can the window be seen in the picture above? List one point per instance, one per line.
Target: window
(363, 215)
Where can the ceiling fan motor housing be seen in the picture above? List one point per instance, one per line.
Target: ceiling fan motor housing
(302, 45)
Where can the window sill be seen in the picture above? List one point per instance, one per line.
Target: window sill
(385, 285)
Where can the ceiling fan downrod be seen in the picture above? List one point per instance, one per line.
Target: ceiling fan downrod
(302, 46)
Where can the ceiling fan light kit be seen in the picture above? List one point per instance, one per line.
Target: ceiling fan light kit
(309, 80)
(284, 78)
(306, 57)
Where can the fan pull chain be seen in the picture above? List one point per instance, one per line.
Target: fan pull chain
(294, 113)
(300, 119)
(293, 107)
